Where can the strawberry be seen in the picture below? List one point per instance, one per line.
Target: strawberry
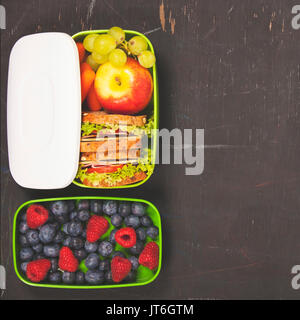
(96, 227)
(36, 215)
(37, 270)
(150, 256)
(67, 260)
(126, 237)
(120, 268)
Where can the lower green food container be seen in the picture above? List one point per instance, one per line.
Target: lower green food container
(143, 274)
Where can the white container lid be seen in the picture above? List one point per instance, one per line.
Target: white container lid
(44, 111)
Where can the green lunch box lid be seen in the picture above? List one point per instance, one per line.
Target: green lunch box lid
(44, 111)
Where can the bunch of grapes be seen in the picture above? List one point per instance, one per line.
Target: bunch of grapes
(113, 47)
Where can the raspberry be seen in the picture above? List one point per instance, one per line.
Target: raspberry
(67, 260)
(96, 227)
(126, 237)
(120, 268)
(36, 215)
(37, 270)
(150, 256)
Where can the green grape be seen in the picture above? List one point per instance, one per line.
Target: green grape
(117, 57)
(99, 58)
(118, 34)
(94, 65)
(88, 42)
(137, 44)
(146, 59)
(104, 44)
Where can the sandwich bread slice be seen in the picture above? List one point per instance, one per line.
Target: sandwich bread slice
(111, 150)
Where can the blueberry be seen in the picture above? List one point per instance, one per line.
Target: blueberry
(74, 228)
(91, 247)
(112, 236)
(55, 277)
(71, 205)
(76, 243)
(116, 220)
(108, 277)
(80, 254)
(83, 215)
(23, 216)
(152, 232)
(105, 248)
(60, 210)
(24, 266)
(67, 241)
(59, 207)
(23, 241)
(54, 264)
(37, 248)
(23, 227)
(132, 221)
(134, 262)
(110, 207)
(26, 254)
(83, 205)
(94, 277)
(137, 248)
(59, 238)
(51, 250)
(124, 208)
(146, 221)
(138, 209)
(55, 225)
(68, 277)
(83, 234)
(96, 206)
(62, 219)
(118, 254)
(47, 233)
(32, 237)
(79, 277)
(73, 215)
(141, 234)
(92, 261)
(104, 265)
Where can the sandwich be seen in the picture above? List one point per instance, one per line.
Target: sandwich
(111, 149)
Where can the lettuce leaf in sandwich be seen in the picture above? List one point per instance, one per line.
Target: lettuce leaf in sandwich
(127, 171)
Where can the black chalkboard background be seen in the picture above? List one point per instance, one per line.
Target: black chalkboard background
(232, 68)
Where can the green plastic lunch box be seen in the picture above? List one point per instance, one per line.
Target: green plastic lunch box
(44, 110)
(144, 275)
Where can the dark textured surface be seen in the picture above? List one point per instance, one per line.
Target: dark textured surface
(232, 68)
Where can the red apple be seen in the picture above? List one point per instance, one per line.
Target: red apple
(124, 90)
